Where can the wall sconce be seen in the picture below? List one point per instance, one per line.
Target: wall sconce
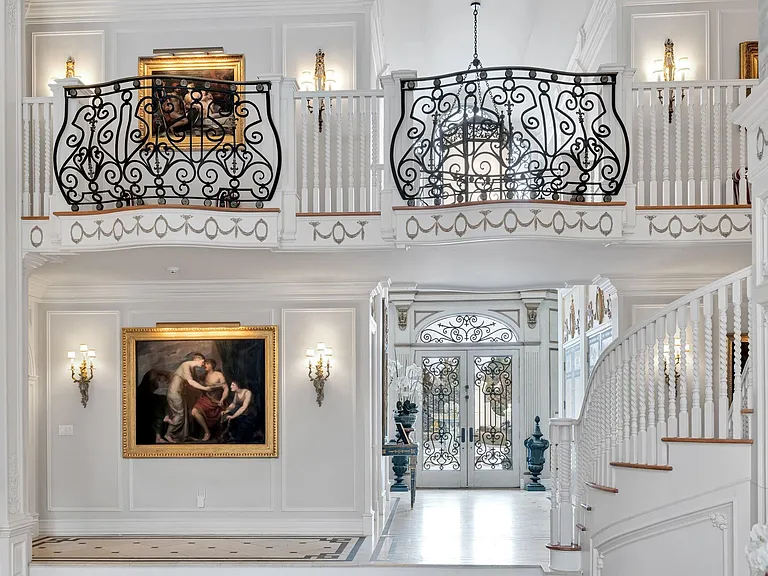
(321, 373)
(83, 374)
(667, 69)
(320, 81)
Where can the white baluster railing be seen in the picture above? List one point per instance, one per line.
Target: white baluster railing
(340, 166)
(646, 388)
(686, 157)
(37, 155)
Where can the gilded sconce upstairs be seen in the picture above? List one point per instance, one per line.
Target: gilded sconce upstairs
(82, 374)
(321, 372)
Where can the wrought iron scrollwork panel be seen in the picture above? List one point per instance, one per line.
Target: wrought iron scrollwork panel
(168, 139)
(466, 328)
(509, 133)
(440, 419)
(492, 448)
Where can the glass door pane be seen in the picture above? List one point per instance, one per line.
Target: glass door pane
(442, 458)
(493, 426)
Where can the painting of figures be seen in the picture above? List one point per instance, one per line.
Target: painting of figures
(200, 392)
(192, 100)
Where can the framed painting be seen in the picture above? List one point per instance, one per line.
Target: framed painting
(200, 391)
(191, 103)
(748, 68)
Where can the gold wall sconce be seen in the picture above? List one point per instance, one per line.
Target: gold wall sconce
(321, 372)
(320, 81)
(82, 374)
(70, 64)
(668, 69)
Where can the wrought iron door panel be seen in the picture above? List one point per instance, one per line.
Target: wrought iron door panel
(441, 417)
(493, 413)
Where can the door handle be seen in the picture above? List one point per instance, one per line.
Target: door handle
(463, 434)
(471, 434)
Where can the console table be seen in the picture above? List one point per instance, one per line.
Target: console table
(409, 455)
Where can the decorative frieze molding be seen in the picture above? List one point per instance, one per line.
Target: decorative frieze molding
(690, 225)
(338, 232)
(534, 220)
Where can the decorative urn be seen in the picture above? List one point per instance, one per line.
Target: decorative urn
(536, 446)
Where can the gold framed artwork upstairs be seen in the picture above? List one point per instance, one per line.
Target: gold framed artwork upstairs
(748, 63)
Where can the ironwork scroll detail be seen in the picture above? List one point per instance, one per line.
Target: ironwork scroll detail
(440, 418)
(168, 139)
(509, 133)
(493, 413)
(466, 328)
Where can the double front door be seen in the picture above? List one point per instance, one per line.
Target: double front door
(468, 426)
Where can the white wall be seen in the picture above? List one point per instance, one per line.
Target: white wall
(316, 485)
(271, 45)
(708, 33)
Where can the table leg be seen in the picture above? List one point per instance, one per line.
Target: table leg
(413, 460)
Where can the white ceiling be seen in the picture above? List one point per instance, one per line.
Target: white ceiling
(507, 265)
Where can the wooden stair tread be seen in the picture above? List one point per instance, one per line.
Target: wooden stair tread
(558, 547)
(641, 466)
(747, 411)
(708, 440)
(603, 488)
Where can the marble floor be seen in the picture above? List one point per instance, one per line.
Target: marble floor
(457, 528)
(468, 527)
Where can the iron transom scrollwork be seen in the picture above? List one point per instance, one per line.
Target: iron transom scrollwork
(441, 413)
(509, 133)
(463, 328)
(166, 139)
(493, 413)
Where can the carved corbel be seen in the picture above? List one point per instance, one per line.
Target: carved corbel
(402, 316)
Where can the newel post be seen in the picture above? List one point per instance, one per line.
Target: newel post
(626, 113)
(564, 551)
(289, 194)
(392, 113)
(56, 201)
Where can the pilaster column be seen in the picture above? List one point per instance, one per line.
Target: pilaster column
(16, 524)
(753, 115)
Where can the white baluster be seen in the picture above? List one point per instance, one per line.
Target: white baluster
(717, 197)
(678, 149)
(339, 156)
(352, 201)
(742, 154)
(327, 125)
(750, 398)
(737, 391)
(26, 142)
(695, 312)
(626, 391)
(672, 375)
(683, 423)
(635, 383)
(365, 134)
(709, 404)
(706, 187)
(690, 107)
(48, 191)
(615, 411)
(665, 184)
(316, 208)
(642, 392)
(651, 393)
(661, 416)
(304, 156)
(722, 391)
(34, 141)
(376, 184)
(729, 129)
(653, 188)
(640, 145)
(604, 432)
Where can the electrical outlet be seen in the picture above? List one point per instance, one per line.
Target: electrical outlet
(70, 430)
(62, 430)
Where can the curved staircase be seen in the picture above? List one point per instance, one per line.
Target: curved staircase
(654, 475)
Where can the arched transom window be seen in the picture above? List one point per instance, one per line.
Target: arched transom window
(466, 328)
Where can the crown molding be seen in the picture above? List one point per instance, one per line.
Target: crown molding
(660, 285)
(60, 11)
(237, 290)
(592, 35)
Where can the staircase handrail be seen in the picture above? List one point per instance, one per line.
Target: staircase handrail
(687, 299)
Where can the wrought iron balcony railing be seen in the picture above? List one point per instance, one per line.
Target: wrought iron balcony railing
(167, 139)
(509, 133)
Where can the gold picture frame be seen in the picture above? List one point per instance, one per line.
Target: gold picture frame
(190, 112)
(748, 60)
(171, 396)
